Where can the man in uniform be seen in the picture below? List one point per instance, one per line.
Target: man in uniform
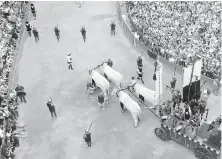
(33, 10)
(139, 61)
(51, 107)
(83, 32)
(20, 93)
(57, 32)
(36, 34)
(110, 63)
(28, 27)
(173, 82)
(87, 138)
(101, 100)
(140, 74)
(69, 61)
(113, 26)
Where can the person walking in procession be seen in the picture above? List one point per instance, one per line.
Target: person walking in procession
(87, 138)
(140, 74)
(57, 32)
(36, 34)
(69, 61)
(83, 32)
(113, 27)
(51, 107)
(28, 28)
(20, 93)
(33, 10)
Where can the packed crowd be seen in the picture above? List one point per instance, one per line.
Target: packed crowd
(178, 30)
(11, 15)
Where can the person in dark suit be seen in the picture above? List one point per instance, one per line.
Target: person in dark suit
(51, 107)
(113, 27)
(87, 138)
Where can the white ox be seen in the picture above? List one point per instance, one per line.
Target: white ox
(100, 81)
(112, 75)
(129, 104)
(145, 94)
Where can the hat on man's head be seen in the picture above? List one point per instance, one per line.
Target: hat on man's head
(69, 53)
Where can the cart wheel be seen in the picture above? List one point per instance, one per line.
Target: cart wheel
(160, 133)
(202, 153)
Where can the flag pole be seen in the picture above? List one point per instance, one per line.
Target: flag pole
(191, 77)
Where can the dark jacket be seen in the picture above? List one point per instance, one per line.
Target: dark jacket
(50, 106)
(113, 26)
(83, 31)
(87, 137)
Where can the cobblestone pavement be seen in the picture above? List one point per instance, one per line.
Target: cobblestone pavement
(43, 71)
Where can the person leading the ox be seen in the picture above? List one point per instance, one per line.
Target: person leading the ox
(140, 74)
(51, 107)
(101, 100)
(132, 83)
(110, 63)
(139, 61)
(90, 89)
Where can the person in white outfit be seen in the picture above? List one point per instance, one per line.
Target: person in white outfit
(69, 61)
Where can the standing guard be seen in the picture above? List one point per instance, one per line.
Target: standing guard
(113, 27)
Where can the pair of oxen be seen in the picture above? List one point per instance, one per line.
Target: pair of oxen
(103, 76)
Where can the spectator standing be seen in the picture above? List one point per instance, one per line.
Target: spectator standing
(113, 27)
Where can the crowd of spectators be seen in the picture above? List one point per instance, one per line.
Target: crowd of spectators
(180, 29)
(11, 15)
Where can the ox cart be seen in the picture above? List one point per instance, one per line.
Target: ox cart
(204, 144)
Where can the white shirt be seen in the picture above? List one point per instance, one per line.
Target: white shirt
(69, 59)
